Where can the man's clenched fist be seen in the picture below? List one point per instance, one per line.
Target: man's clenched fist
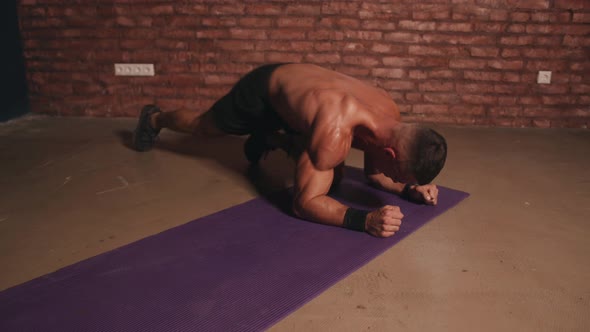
(384, 222)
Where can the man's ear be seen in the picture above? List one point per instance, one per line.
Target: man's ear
(390, 152)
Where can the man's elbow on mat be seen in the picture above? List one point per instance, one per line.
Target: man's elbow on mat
(298, 208)
(303, 209)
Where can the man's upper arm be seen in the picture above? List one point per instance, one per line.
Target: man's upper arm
(310, 182)
(311, 200)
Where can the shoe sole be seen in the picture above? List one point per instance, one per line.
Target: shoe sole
(146, 111)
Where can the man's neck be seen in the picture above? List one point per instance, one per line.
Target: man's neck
(375, 133)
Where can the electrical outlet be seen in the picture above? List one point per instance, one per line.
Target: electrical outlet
(134, 69)
(544, 77)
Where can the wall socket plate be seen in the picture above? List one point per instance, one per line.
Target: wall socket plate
(544, 77)
(134, 69)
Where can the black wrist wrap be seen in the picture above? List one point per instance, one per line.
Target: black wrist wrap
(406, 192)
(355, 219)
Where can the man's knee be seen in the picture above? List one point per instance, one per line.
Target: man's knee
(205, 126)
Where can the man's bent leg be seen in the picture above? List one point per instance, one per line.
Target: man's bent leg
(152, 120)
(186, 121)
(258, 145)
(292, 144)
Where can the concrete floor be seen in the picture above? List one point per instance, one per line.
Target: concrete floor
(513, 257)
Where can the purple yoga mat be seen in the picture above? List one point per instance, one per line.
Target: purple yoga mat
(241, 269)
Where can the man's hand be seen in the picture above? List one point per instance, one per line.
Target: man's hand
(384, 222)
(427, 193)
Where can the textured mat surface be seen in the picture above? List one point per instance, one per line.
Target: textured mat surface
(241, 269)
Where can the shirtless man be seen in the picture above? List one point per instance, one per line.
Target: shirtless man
(327, 113)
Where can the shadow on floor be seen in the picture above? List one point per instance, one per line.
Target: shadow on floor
(268, 178)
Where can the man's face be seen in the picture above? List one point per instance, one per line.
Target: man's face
(395, 167)
(397, 170)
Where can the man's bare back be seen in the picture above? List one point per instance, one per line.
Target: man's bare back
(330, 112)
(300, 91)
(325, 107)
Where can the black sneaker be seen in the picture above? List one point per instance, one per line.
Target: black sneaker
(144, 136)
(255, 147)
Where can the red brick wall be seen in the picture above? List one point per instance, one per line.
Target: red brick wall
(447, 61)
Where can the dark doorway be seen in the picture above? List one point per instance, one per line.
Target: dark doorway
(14, 83)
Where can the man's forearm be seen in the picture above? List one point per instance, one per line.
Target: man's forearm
(321, 209)
(385, 183)
(411, 192)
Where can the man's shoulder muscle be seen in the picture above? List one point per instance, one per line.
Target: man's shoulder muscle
(329, 145)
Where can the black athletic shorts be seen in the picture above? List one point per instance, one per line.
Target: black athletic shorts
(246, 109)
